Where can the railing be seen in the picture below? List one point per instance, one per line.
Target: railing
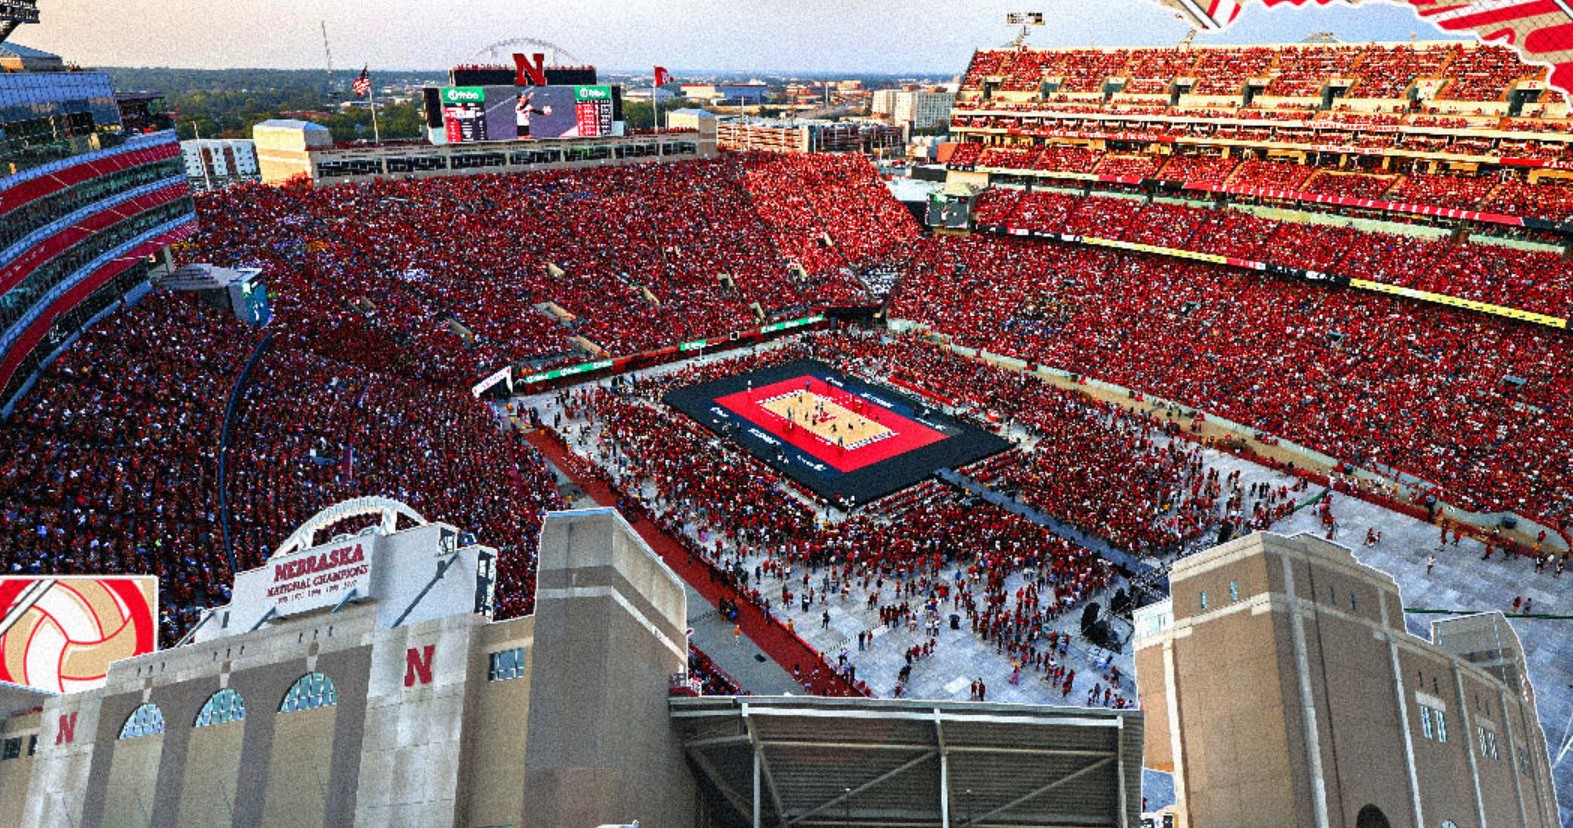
(223, 449)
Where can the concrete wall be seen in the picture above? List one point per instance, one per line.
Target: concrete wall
(496, 730)
(415, 731)
(610, 619)
(1297, 696)
(410, 742)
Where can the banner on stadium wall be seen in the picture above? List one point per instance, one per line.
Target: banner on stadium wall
(559, 373)
(795, 323)
(505, 375)
(1466, 304)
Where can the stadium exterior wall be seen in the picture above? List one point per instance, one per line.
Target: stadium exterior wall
(1281, 688)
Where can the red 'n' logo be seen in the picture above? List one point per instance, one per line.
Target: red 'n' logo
(67, 732)
(524, 70)
(417, 665)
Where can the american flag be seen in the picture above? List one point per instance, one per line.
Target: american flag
(362, 85)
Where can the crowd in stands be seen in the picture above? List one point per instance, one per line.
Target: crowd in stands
(1526, 279)
(454, 277)
(309, 433)
(1484, 74)
(1348, 185)
(713, 681)
(1458, 192)
(1197, 170)
(1272, 175)
(1472, 404)
(1550, 198)
(1379, 72)
(112, 463)
(111, 459)
(1096, 467)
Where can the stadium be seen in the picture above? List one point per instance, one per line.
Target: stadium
(1192, 295)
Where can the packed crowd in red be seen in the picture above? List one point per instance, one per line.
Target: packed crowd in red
(113, 459)
(1547, 198)
(1378, 71)
(309, 433)
(454, 277)
(1532, 280)
(1375, 381)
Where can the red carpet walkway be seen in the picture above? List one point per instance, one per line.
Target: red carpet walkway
(791, 652)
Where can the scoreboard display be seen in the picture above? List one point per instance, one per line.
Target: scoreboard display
(593, 108)
(464, 114)
(472, 114)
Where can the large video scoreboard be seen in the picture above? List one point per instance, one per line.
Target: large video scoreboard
(471, 114)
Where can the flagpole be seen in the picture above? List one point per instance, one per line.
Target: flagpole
(371, 95)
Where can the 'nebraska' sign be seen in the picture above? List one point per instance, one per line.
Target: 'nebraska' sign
(320, 577)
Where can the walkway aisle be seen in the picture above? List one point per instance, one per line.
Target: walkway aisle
(771, 637)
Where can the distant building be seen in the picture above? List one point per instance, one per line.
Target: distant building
(866, 137)
(883, 102)
(1281, 688)
(218, 162)
(749, 93)
(695, 119)
(922, 109)
(644, 93)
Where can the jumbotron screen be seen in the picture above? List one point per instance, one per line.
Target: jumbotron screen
(471, 114)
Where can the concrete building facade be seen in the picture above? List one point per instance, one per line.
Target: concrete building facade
(922, 109)
(360, 682)
(217, 162)
(1281, 688)
(351, 714)
(289, 150)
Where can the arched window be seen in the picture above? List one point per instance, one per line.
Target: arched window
(146, 720)
(224, 706)
(1371, 817)
(311, 691)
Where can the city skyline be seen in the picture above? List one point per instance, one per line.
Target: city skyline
(420, 34)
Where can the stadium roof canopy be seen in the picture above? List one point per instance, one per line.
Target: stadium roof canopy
(809, 761)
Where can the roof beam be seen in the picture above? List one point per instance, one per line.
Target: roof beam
(1090, 753)
(876, 781)
(753, 709)
(731, 796)
(764, 766)
(1034, 794)
(944, 770)
(717, 741)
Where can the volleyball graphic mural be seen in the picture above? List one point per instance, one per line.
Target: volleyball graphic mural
(60, 634)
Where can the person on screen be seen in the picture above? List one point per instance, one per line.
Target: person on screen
(524, 110)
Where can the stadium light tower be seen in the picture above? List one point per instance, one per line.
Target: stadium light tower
(1026, 20)
(14, 13)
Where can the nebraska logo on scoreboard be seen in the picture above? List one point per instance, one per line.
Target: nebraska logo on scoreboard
(60, 634)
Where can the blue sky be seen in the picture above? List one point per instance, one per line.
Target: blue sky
(920, 36)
